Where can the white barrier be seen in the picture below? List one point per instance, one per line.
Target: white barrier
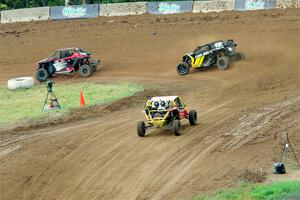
(25, 15)
(121, 9)
(282, 4)
(135, 8)
(213, 6)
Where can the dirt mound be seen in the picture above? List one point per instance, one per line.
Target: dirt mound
(95, 153)
(252, 177)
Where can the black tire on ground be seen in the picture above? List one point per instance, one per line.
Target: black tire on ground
(183, 69)
(94, 68)
(94, 64)
(177, 127)
(42, 75)
(193, 117)
(223, 63)
(85, 70)
(141, 129)
(240, 56)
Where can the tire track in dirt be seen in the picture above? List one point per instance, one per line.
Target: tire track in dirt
(103, 158)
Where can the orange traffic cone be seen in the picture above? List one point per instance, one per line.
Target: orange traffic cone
(81, 100)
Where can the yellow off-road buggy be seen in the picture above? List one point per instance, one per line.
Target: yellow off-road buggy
(165, 112)
(220, 53)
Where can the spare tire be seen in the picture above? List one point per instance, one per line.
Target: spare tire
(20, 83)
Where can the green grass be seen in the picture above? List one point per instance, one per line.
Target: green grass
(273, 191)
(28, 104)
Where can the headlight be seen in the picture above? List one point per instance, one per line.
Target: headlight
(230, 48)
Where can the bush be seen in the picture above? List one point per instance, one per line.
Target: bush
(3, 6)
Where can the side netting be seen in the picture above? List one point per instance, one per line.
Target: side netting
(25, 15)
(122, 9)
(254, 4)
(169, 7)
(213, 6)
(74, 12)
(282, 4)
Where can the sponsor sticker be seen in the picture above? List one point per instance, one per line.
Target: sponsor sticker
(166, 8)
(74, 12)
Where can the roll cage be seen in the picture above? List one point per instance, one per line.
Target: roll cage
(163, 111)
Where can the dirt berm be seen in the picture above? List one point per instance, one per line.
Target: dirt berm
(243, 111)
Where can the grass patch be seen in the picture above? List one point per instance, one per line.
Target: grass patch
(28, 104)
(273, 191)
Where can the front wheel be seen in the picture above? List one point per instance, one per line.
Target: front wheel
(223, 63)
(85, 70)
(42, 75)
(183, 69)
(177, 127)
(193, 117)
(141, 129)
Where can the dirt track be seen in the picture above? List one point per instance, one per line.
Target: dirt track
(243, 111)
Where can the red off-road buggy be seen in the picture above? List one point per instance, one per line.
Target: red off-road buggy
(66, 61)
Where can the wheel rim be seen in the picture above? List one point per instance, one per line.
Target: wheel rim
(182, 69)
(42, 75)
(222, 63)
(84, 71)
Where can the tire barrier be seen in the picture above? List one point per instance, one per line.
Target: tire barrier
(20, 83)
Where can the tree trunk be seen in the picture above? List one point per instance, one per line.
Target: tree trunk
(84, 1)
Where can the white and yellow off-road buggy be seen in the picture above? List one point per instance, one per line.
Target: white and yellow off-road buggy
(165, 112)
(220, 53)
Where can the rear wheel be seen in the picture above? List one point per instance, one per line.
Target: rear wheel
(183, 69)
(42, 75)
(222, 63)
(141, 129)
(193, 117)
(85, 70)
(177, 127)
(94, 64)
(240, 56)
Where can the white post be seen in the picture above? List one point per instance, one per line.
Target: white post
(67, 2)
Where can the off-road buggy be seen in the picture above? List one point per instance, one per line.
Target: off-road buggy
(66, 61)
(220, 53)
(165, 112)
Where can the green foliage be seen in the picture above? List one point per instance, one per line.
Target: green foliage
(28, 104)
(274, 191)
(3, 6)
